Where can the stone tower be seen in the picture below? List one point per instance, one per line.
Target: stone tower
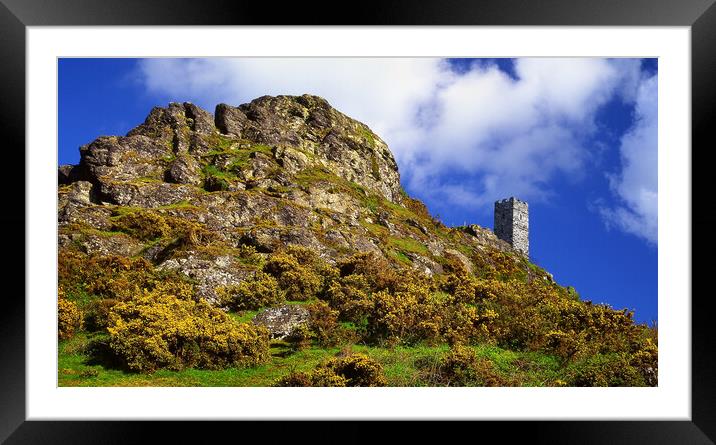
(512, 223)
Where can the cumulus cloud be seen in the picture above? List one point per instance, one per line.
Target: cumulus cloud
(383, 93)
(512, 135)
(464, 138)
(636, 185)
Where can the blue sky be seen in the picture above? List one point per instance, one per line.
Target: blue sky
(575, 137)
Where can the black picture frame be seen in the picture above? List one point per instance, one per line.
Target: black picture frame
(16, 15)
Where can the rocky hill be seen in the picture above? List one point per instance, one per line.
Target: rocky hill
(277, 171)
(191, 215)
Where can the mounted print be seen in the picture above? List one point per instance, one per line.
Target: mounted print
(350, 222)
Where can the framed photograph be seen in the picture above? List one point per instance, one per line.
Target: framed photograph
(329, 272)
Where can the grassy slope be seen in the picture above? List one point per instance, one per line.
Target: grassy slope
(399, 364)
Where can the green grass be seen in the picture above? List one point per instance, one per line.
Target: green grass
(181, 205)
(119, 211)
(212, 170)
(316, 174)
(366, 134)
(401, 365)
(408, 245)
(400, 256)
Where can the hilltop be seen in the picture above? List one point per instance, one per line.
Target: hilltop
(174, 237)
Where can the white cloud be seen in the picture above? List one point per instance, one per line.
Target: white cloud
(636, 184)
(383, 93)
(466, 139)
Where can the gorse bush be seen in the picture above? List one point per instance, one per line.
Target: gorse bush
(401, 317)
(156, 322)
(299, 282)
(613, 369)
(378, 272)
(300, 337)
(351, 296)
(142, 224)
(113, 277)
(149, 225)
(97, 314)
(160, 330)
(261, 290)
(69, 318)
(323, 324)
(352, 370)
(496, 264)
(248, 255)
(107, 276)
(417, 313)
(462, 367)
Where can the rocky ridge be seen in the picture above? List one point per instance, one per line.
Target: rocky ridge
(187, 190)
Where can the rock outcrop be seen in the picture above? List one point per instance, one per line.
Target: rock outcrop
(278, 171)
(283, 320)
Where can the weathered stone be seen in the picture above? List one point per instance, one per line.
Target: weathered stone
(124, 158)
(81, 193)
(460, 257)
(230, 120)
(149, 195)
(417, 225)
(260, 167)
(208, 273)
(185, 170)
(200, 121)
(424, 264)
(67, 174)
(119, 244)
(281, 321)
(292, 160)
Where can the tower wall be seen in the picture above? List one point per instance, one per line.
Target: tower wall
(512, 223)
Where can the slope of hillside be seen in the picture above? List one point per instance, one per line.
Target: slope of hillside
(173, 237)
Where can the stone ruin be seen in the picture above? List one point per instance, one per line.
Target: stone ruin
(512, 223)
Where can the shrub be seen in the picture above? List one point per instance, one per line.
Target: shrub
(299, 282)
(604, 370)
(310, 260)
(418, 313)
(352, 370)
(114, 277)
(69, 318)
(350, 295)
(464, 324)
(304, 255)
(190, 233)
(248, 255)
(461, 286)
(106, 276)
(323, 324)
(317, 377)
(379, 274)
(645, 361)
(97, 317)
(159, 330)
(142, 224)
(416, 206)
(300, 337)
(495, 264)
(564, 344)
(259, 291)
(462, 367)
(453, 265)
(406, 316)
